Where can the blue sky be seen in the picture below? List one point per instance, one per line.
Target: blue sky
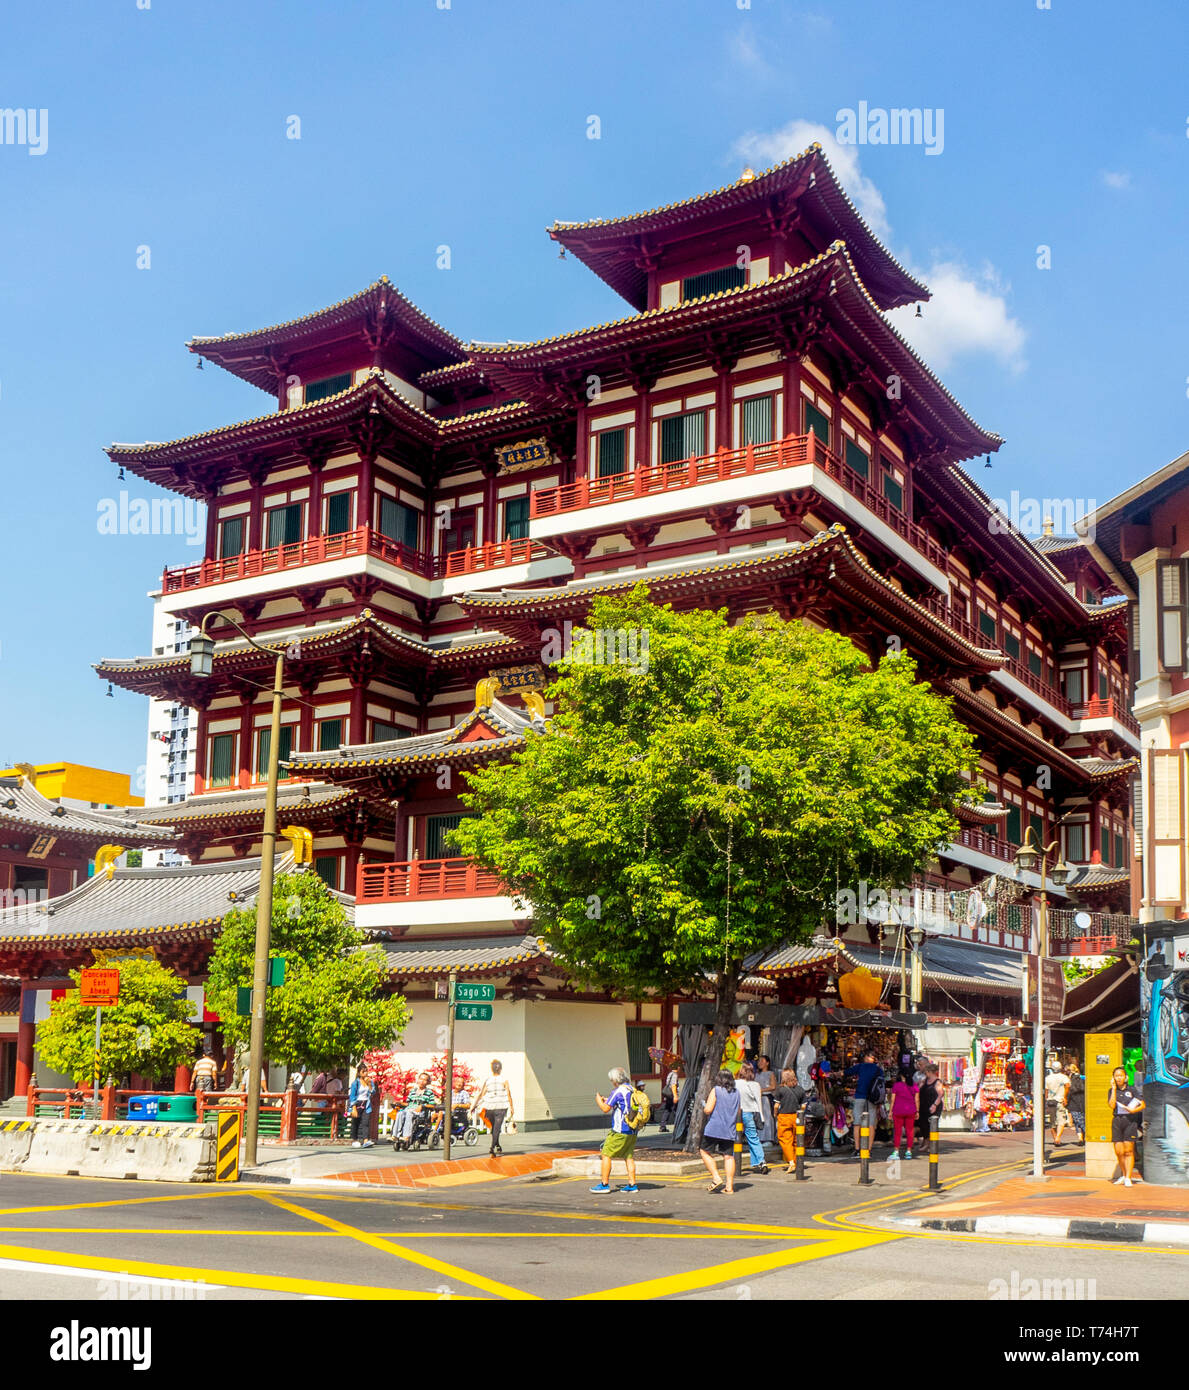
(467, 126)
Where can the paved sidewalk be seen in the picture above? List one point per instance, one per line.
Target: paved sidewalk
(1066, 1207)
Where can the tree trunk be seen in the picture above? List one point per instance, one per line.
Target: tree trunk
(724, 1015)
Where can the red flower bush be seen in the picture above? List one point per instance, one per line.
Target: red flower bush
(395, 1082)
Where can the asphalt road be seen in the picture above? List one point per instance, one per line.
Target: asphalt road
(77, 1239)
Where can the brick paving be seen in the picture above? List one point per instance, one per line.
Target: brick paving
(458, 1172)
(1076, 1197)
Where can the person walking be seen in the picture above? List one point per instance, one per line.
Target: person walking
(1126, 1126)
(752, 1100)
(722, 1108)
(768, 1082)
(904, 1114)
(359, 1106)
(869, 1086)
(495, 1097)
(621, 1139)
(929, 1100)
(789, 1098)
(670, 1092)
(1076, 1099)
(1056, 1089)
(206, 1075)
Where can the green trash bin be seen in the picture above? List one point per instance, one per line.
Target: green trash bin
(177, 1110)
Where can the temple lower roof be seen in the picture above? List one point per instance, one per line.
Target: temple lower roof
(23, 806)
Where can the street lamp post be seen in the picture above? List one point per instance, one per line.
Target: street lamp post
(202, 651)
(1027, 857)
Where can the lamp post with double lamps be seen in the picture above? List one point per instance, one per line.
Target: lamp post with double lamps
(1027, 857)
(202, 654)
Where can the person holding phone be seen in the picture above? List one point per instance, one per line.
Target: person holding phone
(1126, 1125)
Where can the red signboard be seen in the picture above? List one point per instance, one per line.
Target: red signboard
(99, 988)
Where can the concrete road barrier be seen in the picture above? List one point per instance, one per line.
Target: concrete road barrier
(141, 1149)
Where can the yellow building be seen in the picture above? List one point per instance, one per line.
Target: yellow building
(86, 786)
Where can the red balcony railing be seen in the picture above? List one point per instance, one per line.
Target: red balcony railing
(1107, 931)
(793, 450)
(1042, 687)
(424, 878)
(494, 554)
(1109, 708)
(347, 544)
(986, 844)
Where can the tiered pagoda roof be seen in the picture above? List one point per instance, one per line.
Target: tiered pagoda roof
(23, 807)
(802, 191)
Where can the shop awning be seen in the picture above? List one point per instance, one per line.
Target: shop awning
(1105, 1003)
(950, 963)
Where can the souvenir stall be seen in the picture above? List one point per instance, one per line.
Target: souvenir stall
(996, 1085)
(950, 1046)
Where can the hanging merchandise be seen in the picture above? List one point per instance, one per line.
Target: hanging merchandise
(806, 1056)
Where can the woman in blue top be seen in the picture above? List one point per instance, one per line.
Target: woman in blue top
(722, 1115)
(359, 1107)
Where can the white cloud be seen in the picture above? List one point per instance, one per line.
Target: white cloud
(968, 314)
(1116, 179)
(763, 149)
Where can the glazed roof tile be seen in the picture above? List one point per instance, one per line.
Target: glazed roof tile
(422, 956)
(24, 806)
(293, 799)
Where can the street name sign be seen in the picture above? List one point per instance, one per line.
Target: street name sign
(474, 1013)
(474, 992)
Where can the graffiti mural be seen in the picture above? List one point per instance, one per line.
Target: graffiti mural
(1164, 1000)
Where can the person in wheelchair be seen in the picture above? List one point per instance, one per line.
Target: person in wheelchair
(420, 1099)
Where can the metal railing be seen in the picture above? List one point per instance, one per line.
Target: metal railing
(491, 555)
(1110, 708)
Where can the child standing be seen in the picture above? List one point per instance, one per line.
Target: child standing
(904, 1114)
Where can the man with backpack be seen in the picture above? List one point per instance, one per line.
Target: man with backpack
(870, 1090)
(629, 1110)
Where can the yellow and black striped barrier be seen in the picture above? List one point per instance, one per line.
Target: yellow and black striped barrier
(8, 1126)
(227, 1145)
(865, 1178)
(799, 1132)
(739, 1143)
(934, 1154)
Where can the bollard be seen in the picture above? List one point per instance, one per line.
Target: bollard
(799, 1170)
(865, 1179)
(739, 1144)
(934, 1153)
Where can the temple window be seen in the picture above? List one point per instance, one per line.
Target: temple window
(284, 525)
(330, 735)
(817, 422)
(893, 484)
(221, 760)
(683, 436)
(326, 866)
(383, 732)
(398, 522)
(610, 452)
(436, 830)
(730, 277)
(263, 743)
(231, 537)
(758, 420)
(328, 386)
(1011, 828)
(856, 460)
(338, 513)
(987, 625)
(1074, 683)
(1075, 843)
(516, 519)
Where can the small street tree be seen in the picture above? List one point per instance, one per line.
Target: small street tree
(149, 1031)
(703, 795)
(331, 1007)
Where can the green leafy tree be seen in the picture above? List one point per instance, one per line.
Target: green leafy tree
(149, 1031)
(331, 1007)
(704, 796)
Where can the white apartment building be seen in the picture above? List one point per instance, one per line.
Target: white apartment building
(172, 734)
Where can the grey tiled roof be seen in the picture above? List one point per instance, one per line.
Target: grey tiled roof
(292, 798)
(24, 806)
(1097, 876)
(146, 902)
(951, 961)
(425, 956)
(792, 957)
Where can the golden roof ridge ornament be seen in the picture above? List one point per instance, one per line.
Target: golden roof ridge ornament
(302, 840)
(105, 859)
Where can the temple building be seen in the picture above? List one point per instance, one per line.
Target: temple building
(412, 519)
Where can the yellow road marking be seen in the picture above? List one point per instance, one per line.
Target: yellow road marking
(734, 1270)
(233, 1278)
(403, 1235)
(477, 1281)
(118, 1202)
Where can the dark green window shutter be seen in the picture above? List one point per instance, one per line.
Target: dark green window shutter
(856, 460)
(384, 733)
(326, 866)
(683, 436)
(1074, 688)
(1118, 851)
(516, 519)
(1035, 664)
(1013, 824)
(284, 525)
(730, 277)
(1075, 843)
(330, 735)
(436, 830)
(758, 420)
(988, 626)
(612, 449)
(231, 537)
(1104, 843)
(398, 522)
(1038, 827)
(285, 747)
(328, 386)
(222, 749)
(1104, 689)
(338, 513)
(1011, 645)
(817, 422)
(639, 1041)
